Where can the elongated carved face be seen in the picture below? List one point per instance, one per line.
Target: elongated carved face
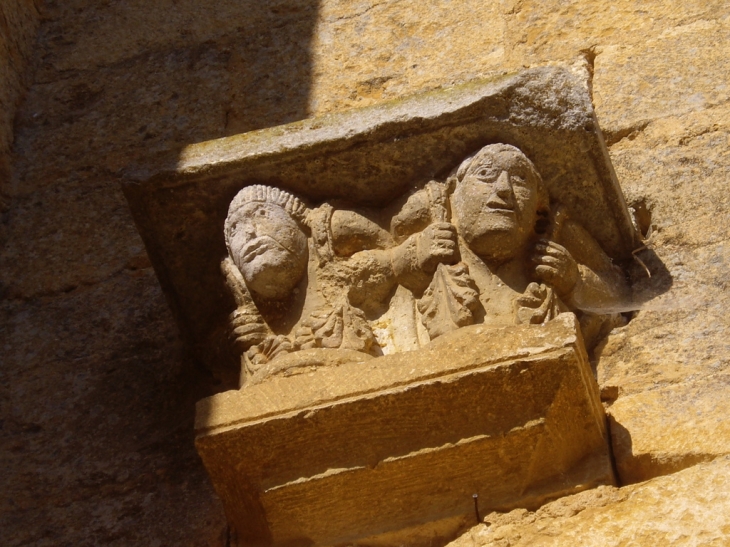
(495, 202)
(269, 249)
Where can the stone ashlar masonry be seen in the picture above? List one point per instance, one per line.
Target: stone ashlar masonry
(98, 392)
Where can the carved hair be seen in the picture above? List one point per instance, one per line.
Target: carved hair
(459, 173)
(265, 194)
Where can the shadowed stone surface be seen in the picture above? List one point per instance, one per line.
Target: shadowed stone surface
(18, 27)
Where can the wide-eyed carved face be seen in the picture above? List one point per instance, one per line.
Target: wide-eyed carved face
(269, 248)
(495, 203)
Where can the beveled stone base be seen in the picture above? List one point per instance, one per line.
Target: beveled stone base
(392, 450)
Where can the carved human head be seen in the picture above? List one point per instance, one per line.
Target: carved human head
(497, 200)
(265, 239)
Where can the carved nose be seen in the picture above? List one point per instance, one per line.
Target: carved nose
(249, 230)
(503, 188)
(502, 195)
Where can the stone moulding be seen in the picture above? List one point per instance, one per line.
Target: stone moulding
(369, 157)
(392, 450)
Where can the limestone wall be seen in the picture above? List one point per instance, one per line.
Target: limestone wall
(97, 391)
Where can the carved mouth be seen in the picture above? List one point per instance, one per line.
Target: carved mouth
(258, 247)
(501, 209)
(499, 206)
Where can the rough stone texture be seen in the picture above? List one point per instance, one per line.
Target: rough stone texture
(678, 166)
(329, 455)
(689, 508)
(397, 48)
(105, 455)
(119, 81)
(676, 71)
(659, 431)
(395, 51)
(18, 26)
(673, 161)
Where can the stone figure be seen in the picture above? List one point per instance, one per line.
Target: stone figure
(529, 261)
(357, 266)
(484, 246)
(268, 256)
(323, 267)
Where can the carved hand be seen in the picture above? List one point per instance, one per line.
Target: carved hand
(555, 266)
(269, 349)
(537, 305)
(248, 329)
(437, 244)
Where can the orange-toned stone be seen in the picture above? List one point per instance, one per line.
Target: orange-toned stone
(402, 442)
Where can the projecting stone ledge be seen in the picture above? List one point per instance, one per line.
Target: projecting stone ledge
(392, 449)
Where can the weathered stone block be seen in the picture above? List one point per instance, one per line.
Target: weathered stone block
(394, 448)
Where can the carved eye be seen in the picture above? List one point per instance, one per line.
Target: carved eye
(484, 173)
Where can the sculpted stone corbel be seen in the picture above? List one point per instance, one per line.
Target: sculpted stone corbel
(352, 266)
(484, 246)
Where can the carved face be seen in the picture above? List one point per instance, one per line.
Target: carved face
(495, 203)
(269, 248)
